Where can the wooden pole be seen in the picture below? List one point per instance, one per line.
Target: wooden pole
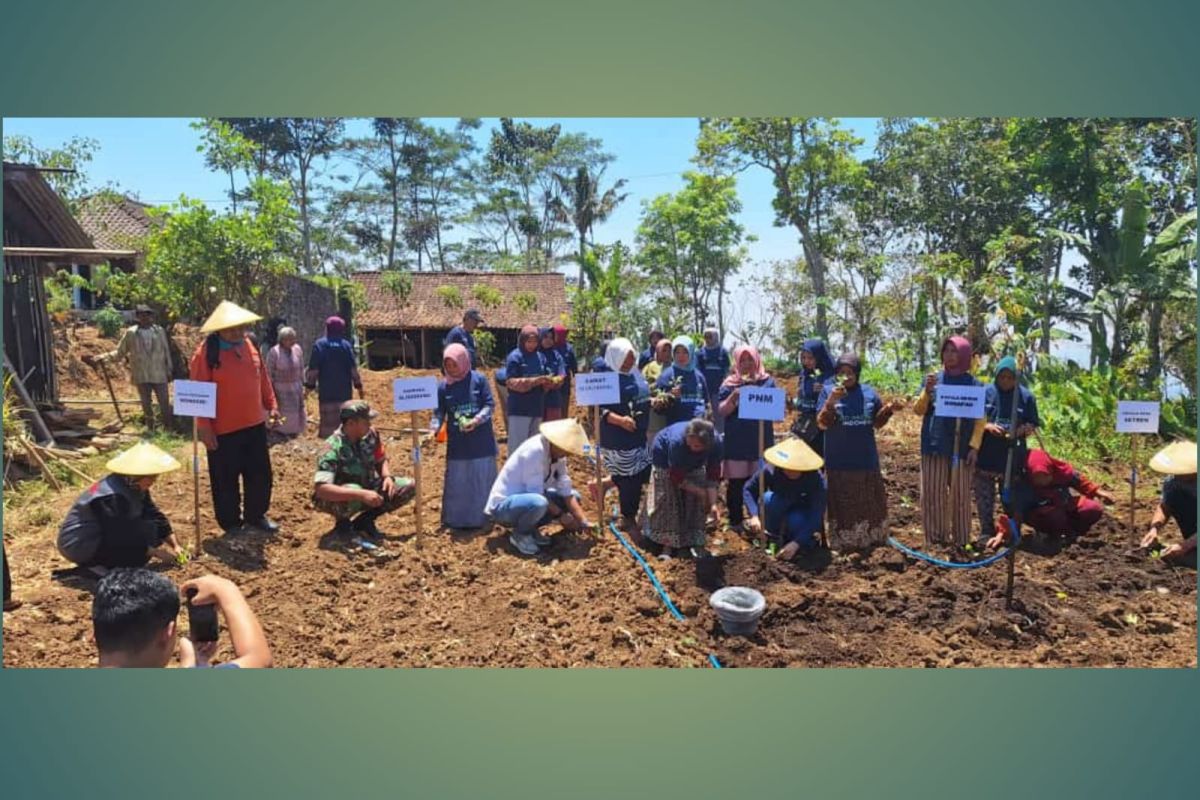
(29, 448)
(1133, 479)
(762, 476)
(599, 472)
(112, 394)
(416, 457)
(1005, 498)
(196, 484)
(39, 424)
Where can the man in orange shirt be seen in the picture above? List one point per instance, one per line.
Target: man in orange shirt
(236, 438)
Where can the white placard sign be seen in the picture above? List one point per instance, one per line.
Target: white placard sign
(965, 402)
(195, 399)
(1135, 416)
(757, 402)
(597, 388)
(414, 394)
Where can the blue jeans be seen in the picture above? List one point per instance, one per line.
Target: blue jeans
(802, 522)
(525, 513)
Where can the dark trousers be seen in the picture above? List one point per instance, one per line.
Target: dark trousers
(629, 491)
(159, 390)
(7, 576)
(733, 499)
(124, 545)
(241, 455)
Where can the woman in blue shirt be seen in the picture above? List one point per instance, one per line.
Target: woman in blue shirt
(556, 370)
(792, 507)
(682, 390)
(526, 381)
(623, 431)
(713, 363)
(816, 367)
(850, 412)
(741, 435)
(465, 403)
(686, 469)
(1010, 415)
(946, 472)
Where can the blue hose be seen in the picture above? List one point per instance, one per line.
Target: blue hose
(953, 565)
(612, 526)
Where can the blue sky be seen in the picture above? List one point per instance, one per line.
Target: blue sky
(155, 160)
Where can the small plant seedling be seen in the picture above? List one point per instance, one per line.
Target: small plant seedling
(1132, 619)
(182, 558)
(462, 420)
(1156, 553)
(1061, 595)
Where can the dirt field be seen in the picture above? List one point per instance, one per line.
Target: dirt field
(438, 600)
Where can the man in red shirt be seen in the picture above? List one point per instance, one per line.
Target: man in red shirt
(236, 438)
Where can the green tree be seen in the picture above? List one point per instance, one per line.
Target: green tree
(582, 204)
(225, 150)
(811, 161)
(67, 164)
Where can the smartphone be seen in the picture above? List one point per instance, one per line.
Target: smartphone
(202, 620)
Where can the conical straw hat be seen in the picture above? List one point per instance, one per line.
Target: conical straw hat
(566, 434)
(1177, 458)
(142, 459)
(228, 315)
(793, 454)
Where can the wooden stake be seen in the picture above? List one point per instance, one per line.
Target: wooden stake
(762, 473)
(599, 472)
(112, 394)
(196, 483)
(39, 424)
(1133, 479)
(416, 457)
(29, 448)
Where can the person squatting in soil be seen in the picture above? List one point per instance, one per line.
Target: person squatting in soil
(792, 507)
(134, 614)
(742, 454)
(114, 522)
(685, 474)
(236, 439)
(354, 481)
(526, 382)
(1043, 498)
(465, 407)
(556, 371)
(1178, 462)
(948, 451)
(534, 487)
(1010, 417)
(849, 413)
(332, 372)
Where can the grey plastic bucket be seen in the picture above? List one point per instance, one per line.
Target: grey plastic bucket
(739, 609)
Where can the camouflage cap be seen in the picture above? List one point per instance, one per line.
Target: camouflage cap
(357, 409)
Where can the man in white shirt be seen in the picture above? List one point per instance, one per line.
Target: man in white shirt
(534, 489)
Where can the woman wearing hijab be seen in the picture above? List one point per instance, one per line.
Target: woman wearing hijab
(570, 363)
(652, 372)
(1045, 501)
(686, 468)
(556, 370)
(332, 371)
(741, 435)
(465, 403)
(712, 361)
(623, 431)
(850, 412)
(526, 381)
(816, 367)
(1010, 415)
(947, 472)
(648, 354)
(285, 366)
(681, 389)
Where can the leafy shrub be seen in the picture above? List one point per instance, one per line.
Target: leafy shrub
(526, 302)
(487, 296)
(450, 295)
(109, 321)
(485, 346)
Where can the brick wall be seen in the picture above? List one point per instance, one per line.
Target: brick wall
(303, 305)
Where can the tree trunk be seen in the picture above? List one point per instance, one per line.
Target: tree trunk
(232, 192)
(306, 232)
(582, 276)
(1154, 339)
(816, 273)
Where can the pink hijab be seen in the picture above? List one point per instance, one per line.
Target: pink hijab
(460, 357)
(964, 356)
(735, 377)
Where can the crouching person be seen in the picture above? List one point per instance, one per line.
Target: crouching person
(115, 523)
(354, 482)
(1178, 462)
(534, 488)
(793, 501)
(134, 621)
(1045, 502)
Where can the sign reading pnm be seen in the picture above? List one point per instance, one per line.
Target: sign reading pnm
(756, 402)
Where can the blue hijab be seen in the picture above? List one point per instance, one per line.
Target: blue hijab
(684, 341)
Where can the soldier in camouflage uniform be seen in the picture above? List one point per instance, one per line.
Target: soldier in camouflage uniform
(353, 481)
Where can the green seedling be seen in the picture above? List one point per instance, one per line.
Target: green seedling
(1061, 595)
(462, 420)
(1132, 619)
(182, 558)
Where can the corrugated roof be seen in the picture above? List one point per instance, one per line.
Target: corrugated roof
(426, 309)
(115, 223)
(31, 204)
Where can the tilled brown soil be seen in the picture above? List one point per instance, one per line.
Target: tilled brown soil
(438, 600)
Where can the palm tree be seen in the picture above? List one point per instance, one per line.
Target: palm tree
(583, 205)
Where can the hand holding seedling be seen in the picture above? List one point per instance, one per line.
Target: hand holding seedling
(930, 381)
(754, 525)
(1150, 538)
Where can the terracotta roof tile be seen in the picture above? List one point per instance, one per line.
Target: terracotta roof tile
(115, 223)
(426, 309)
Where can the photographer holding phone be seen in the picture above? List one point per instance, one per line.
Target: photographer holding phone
(134, 624)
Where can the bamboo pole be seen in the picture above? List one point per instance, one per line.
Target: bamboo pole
(196, 483)
(39, 424)
(29, 448)
(416, 457)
